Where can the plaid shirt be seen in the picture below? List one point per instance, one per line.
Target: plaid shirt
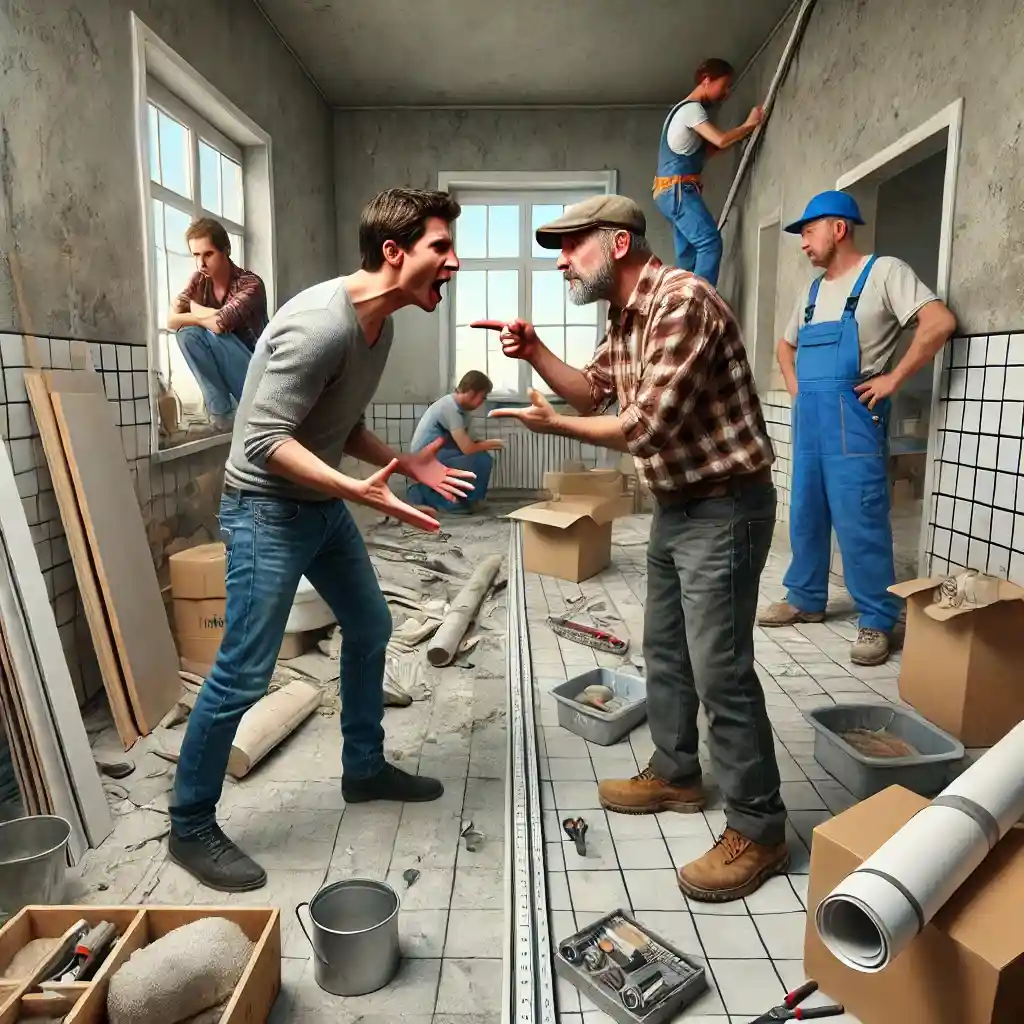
(244, 310)
(674, 359)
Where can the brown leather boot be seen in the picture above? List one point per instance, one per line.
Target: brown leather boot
(647, 794)
(733, 868)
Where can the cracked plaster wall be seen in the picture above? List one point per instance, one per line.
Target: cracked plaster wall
(68, 178)
(867, 73)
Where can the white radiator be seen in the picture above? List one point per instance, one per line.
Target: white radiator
(526, 457)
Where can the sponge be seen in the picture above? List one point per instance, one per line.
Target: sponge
(190, 970)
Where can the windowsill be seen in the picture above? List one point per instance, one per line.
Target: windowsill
(200, 444)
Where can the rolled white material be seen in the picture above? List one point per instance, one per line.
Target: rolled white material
(871, 916)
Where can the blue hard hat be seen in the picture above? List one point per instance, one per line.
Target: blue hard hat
(827, 204)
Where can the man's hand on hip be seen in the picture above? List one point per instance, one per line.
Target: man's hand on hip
(877, 389)
(539, 416)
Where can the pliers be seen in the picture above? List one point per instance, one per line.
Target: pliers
(576, 830)
(789, 1008)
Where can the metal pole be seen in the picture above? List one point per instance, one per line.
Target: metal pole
(803, 15)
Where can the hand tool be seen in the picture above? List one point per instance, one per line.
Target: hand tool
(576, 830)
(580, 633)
(789, 1008)
(90, 952)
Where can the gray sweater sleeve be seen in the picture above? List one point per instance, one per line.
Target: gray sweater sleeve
(304, 355)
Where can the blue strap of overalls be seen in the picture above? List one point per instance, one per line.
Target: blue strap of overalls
(852, 299)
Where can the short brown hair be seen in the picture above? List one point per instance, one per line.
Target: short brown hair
(400, 215)
(713, 67)
(473, 382)
(207, 227)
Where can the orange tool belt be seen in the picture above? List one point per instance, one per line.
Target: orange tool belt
(665, 184)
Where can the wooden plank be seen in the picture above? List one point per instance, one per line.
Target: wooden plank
(39, 800)
(81, 557)
(121, 555)
(40, 672)
(16, 746)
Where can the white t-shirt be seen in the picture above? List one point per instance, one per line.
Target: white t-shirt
(892, 295)
(682, 138)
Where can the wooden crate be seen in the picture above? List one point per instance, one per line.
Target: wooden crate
(86, 1002)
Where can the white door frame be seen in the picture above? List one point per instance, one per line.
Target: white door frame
(944, 129)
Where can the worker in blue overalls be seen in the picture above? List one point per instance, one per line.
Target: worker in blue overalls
(835, 357)
(688, 138)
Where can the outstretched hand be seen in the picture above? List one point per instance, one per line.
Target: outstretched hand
(375, 493)
(539, 416)
(423, 467)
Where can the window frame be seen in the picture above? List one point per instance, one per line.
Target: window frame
(160, 75)
(523, 188)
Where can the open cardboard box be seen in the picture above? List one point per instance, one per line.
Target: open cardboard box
(965, 967)
(606, 483)
(570, 538)
(86, 1002)
(961, 666)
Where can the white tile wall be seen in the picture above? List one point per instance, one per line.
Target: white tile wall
(778, 414)
(975, 521)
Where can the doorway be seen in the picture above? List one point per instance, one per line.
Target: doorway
(906, 195)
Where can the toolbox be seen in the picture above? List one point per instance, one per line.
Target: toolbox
(621, 966)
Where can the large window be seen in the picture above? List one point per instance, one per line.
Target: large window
(505, 275)
(194, 171)
(198, 155)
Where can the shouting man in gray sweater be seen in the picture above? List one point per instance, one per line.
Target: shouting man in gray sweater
(314, 371)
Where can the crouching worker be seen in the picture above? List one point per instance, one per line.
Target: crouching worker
(448, 418)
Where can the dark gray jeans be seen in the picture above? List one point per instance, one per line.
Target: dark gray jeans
(704, 562)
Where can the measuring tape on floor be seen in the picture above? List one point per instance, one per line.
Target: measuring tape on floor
(528, 989)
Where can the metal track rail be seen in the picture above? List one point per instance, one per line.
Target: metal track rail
(527, 990)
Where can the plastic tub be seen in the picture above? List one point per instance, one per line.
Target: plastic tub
(601, 727)
(926, 774)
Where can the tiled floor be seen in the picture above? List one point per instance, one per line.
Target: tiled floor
(755, 946)
(290, 814)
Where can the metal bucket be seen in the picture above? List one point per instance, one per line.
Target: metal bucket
(354, 935)
(33, 861)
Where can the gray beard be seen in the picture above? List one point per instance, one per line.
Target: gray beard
(583, 291)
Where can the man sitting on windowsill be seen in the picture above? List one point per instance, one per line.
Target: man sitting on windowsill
(449, 418)
(219, 317)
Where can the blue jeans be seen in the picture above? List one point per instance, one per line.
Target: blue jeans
(480, 463)
(219, 363)
(698, 242)
(271, 542)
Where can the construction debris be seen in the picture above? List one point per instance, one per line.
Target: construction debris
(445, 644)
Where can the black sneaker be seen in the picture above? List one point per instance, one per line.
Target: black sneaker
(391, 783)
(216, 861)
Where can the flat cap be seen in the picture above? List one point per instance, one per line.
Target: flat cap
(617, 212)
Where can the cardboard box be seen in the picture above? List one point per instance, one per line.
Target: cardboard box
(961, 666)
(570, 539)
(203, 618)
(602, 482)
(965, 967)
(198, 572)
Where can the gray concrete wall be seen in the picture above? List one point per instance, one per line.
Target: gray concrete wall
(67, 152)
(869, 72)
(379, 149)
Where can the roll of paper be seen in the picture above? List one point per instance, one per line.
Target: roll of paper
(871, 916)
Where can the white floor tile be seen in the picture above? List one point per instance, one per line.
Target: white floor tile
(729, 937)
(748, 987)
(675, 927)
(654, 890)
(642, 854)
(597, 892)
(783, 934)
(776, 896)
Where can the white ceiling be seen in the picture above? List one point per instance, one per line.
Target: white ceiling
(516, 52)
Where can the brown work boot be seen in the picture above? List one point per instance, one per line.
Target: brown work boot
(733, 868)
(647, 794)
(782, 613)
(870, 648)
